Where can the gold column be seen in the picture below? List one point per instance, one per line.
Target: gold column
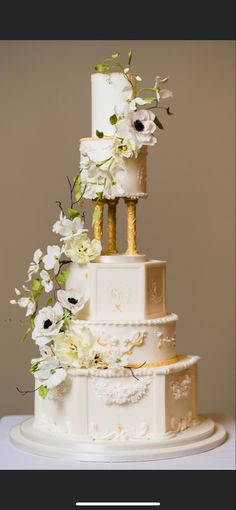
(98, 224)
(111, 226)
(131, 226)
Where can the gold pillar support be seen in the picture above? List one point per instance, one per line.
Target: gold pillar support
(98, 224)
(111, 227)
(131, 226)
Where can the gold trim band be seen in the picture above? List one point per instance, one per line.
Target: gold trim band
(156, 363)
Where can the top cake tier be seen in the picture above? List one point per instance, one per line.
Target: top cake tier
(108, 90)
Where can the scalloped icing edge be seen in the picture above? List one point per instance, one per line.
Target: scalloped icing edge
(171, 317)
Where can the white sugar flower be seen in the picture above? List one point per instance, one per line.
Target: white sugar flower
(51, 260)
(71, 300)
(25, 302)
(68, 228)
(97, 154)
(48, 371)
(75, 349)
(115, 358)
(137, 127)
(46, 281)
(45, 351)
(48, 323)
(34, 265)
(81, 250)
(162, 93)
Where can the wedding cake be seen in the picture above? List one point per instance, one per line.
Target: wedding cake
(109, 382)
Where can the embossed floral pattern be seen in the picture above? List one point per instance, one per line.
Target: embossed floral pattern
(121, 393)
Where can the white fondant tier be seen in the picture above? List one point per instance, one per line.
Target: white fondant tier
(120, 292)
(151, 342)
(112, 405)
(131, 177)
(108, 90)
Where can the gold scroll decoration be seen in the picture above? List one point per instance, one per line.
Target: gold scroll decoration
(131, 226)
(98, 224)
(111, 227)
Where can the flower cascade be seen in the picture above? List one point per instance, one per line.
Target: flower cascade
(49, 325)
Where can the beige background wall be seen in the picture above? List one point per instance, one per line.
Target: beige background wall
(187, 220)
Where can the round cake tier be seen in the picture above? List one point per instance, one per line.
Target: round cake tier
(149, 343)
(108, 90)
(129, 174)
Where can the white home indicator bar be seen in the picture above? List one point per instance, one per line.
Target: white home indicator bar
(129, 503)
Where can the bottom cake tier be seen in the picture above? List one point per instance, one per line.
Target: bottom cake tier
(122, 404)
(116, 415)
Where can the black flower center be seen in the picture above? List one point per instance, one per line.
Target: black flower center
(72, 300)
(47, 324)
(138, 125)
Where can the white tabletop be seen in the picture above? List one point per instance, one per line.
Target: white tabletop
(222, 457)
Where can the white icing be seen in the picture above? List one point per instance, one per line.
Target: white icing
(120, 292)
(107, 90)
(180, 424)
(120, 432)
(121, 393)
(181, 386)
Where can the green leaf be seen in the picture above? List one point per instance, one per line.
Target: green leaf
(99, 194)
(99, 134)
(149, 99)
(96, 215)
(77, 187)
(168, 111)
(103, 162)
(129, 57)
(26, 334)
(49, 301)
(34, 367)
(36, 284)
(113, 119)
(158, 123)
(102, 68)
(67, 321)
(32, 321)
(115, 55)
(73, 213)
(61, 278)
(43, 391)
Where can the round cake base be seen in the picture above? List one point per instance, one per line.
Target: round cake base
(196, 439)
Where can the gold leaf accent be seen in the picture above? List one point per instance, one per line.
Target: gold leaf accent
(131, 226)
(98, 225)
(111, 226)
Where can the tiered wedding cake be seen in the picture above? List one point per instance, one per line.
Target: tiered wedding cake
(110, 384)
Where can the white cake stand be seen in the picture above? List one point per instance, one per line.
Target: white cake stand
(197, 439)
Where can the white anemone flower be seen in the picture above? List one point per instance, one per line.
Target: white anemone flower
(46, 281)
(71, 300)
(162, 93)
(49, 372)
(68, 228)
(51, 260)
(34, 265)
(48, 323)
(138, 127)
